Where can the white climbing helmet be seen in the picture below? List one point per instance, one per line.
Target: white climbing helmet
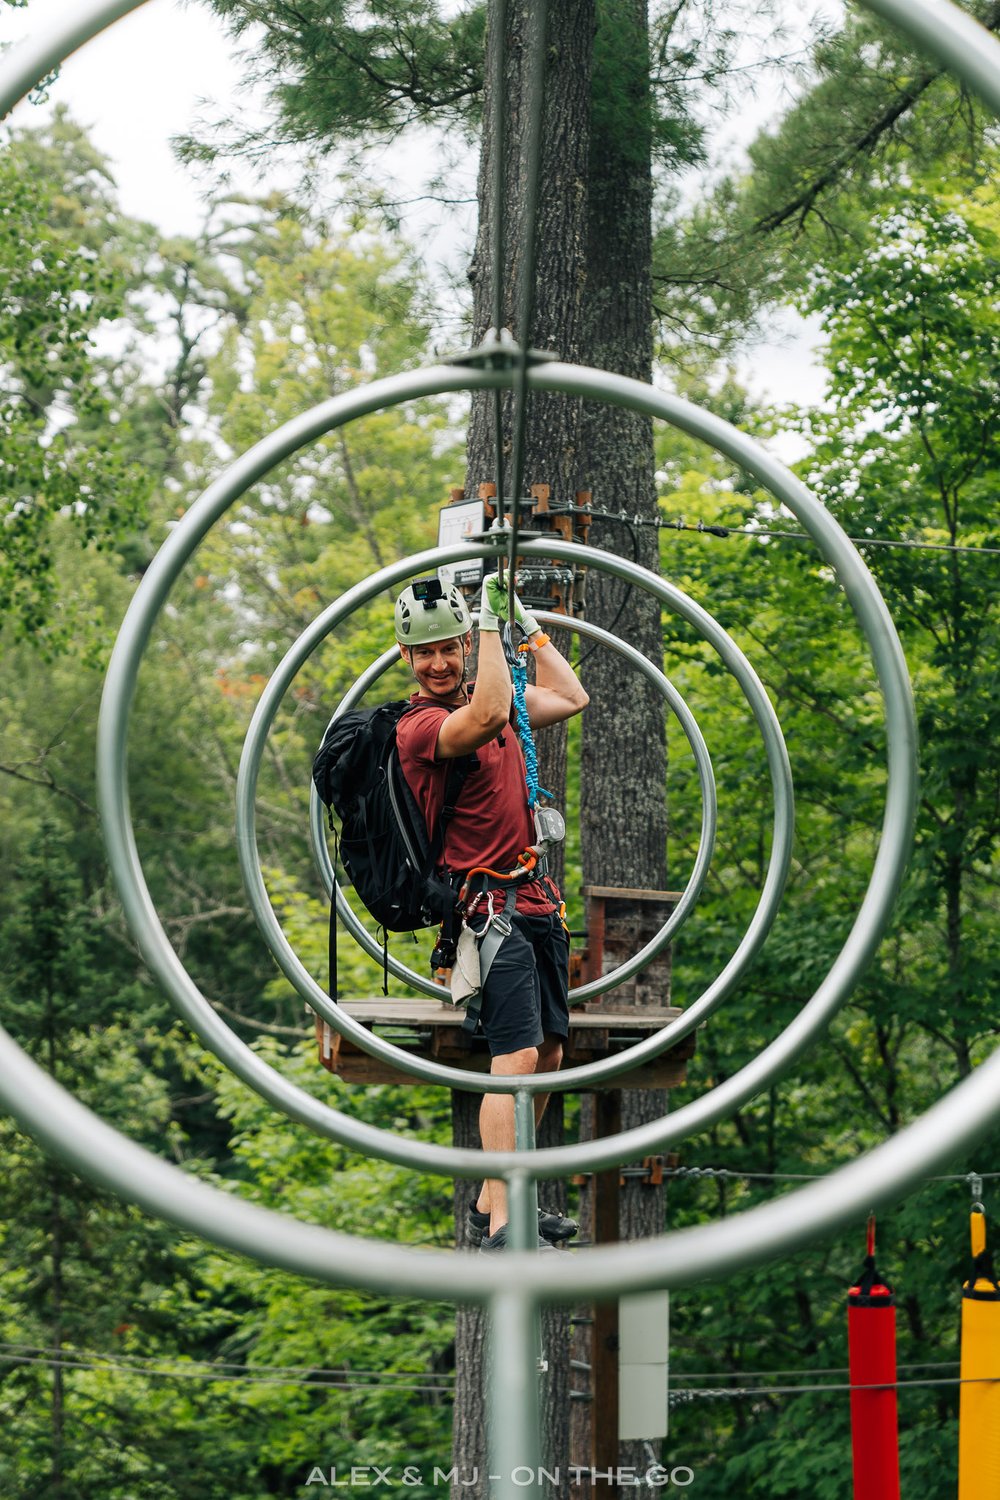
(427, 611)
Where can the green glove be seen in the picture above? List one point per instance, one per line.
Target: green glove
(492, 604)
(499, 609)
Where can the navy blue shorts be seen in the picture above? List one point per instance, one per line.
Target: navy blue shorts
(526, 990)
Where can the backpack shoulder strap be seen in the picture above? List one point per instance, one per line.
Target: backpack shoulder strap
(459, 769)
(458, 774)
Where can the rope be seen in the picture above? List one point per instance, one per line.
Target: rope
(519, 674)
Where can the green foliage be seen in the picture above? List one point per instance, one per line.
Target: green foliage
(870, 112)
(337, 72)
(905, 447)
(288, 1323)
(141, 1316)
(909, 449)
(56, 475)
(76, 1265)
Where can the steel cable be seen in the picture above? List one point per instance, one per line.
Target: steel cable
(497, 226)
(536, 16)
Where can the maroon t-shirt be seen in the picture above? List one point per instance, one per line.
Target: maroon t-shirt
(491, 825)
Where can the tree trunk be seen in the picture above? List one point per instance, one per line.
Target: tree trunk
(623, 803)
(593, 305)
(553, 455)
(552, 434)
(623, 778)
(468, 1450)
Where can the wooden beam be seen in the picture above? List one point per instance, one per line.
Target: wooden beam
(428, 1029)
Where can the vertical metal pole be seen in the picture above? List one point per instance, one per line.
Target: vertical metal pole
(522, 1190)
(522, 1206)
(513, 1425)
(524, 1120)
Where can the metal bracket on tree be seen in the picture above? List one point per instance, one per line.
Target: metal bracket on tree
(499, 351)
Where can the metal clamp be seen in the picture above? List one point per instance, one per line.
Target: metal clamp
(498, 351)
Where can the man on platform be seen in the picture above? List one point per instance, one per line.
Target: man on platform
(524, 1016)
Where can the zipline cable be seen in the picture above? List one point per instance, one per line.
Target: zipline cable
(925, 1364)
(497, 226)
(740, 1392)
(394, 1380)
(859, 541)
(140, 1363)
(737, 1174)
(662, 523)
(537, 15)
(677, 1395)
(535, 47)
(106, 1367)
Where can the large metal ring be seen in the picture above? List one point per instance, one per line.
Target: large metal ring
(956, 1121)
(588, 1074)
(861, 941)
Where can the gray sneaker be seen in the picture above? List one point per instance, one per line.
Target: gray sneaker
(491, 1243)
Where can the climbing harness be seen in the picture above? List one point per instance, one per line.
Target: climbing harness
(485, 945)
(476, 950)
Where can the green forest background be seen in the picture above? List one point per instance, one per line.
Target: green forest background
(136, 1361)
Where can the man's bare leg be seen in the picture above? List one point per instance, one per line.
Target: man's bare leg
(550, 1056)
(496, 1116)
(496, 1127)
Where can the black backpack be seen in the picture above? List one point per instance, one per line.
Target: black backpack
(384, 845)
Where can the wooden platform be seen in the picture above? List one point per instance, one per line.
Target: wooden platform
(433, 1030)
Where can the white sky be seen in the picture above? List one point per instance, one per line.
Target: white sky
(133, 87)
(151, 75)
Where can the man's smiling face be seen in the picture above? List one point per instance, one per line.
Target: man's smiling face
(439, 667)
